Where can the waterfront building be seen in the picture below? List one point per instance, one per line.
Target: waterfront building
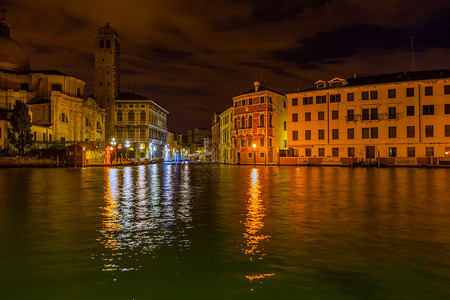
(403, 118)
(195, 139)
(60, 111)
(107, 73)
(140, 127)
(259, 125)
(215, 136)
(225, 146)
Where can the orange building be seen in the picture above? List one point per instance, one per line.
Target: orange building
(259, 126)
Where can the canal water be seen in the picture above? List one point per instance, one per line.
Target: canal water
(224, 232)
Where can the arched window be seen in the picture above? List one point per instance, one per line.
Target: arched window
(235, 123)
(102, 44)
(99, 127)
(119, 116)
(88, 123)
(261, 121)
(63, 118)
(143, 116)
(250, 122)
(131, 116)
(242, 122)
(108, 44)
(270, 120)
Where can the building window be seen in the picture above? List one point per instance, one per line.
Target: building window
(307, 100)
(334, 114)
(57, 87)
(250, 122)
(102, 44)
(446, 89)
(392, 132)
(392, 93)
(307, 135)
(295, 135)
(261, 154)
(321, 99)
(321, 115)
(87, 123)
(410, 110)
(270, 142)
(285, 126)
(242, 143)
(350, 96)
(142, 134)
(428, 91)
(365, 133)
(294, 101)
(365, 114)
(308, 116)
(447, 109)
(351, 133)
(131, 116)
(270, 99)
(261, 121)
(249, 142)
(24, 86)
(335, 152)
(411, 152)
(308, 152)
(335, 134)
(429, 151)
(261, 100)
(410, 131)
(242, 122)
(321, 134)
(392, 151)
(447, 130)
(428, 110)
(429, 131)
(374, 113)
(321, 152)
(335, 98)
(235, 123)
(250, 155)
(373, 95)
(350, 115)
(243, 102)
(250, 101)
(409, 92)
(143, 116)
(365, 95)
(294, 117)
(235, 104)
(351, 152)
(392, 113)
(374, 132)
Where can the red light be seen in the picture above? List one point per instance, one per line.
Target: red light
(111, 148)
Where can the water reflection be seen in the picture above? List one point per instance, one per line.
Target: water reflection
(145, 208)
(254, 237)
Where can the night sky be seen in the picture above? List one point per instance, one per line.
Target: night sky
(192, 57)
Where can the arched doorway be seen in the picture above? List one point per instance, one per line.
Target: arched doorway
(238, 161)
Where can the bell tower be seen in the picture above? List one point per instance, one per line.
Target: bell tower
(107, 73)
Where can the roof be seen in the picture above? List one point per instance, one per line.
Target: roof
(388, 78)
(130, 96)
(38, 101)
(261, 88)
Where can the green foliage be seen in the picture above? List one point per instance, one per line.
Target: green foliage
(19, 134)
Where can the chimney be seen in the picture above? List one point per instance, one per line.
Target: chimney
(256, 83)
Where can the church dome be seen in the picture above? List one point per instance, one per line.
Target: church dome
(13, 56)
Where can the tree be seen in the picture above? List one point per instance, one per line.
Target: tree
(20, 132)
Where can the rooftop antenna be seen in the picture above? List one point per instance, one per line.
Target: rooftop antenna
(413, 58)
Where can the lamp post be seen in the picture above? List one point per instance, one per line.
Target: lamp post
(254, 156)
(127, 145)
(113, 142)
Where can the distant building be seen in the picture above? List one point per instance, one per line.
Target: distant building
(195, 139)
(259, 120)
(215, 136)
(140, 127)
(225, 144)
(107, 73)
(403, 118)
(60, 111)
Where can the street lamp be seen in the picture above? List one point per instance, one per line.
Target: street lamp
(254, 156)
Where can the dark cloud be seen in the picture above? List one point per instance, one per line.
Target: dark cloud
(192, 57)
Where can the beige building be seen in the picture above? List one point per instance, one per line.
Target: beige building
(402, 118)
(225, 144)
(259, 120)
(140, 127)
(60, 111)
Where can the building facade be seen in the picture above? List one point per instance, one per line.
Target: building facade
(402, 118)
(195, 139)
(259, 126)
(215, 136)
(107, 73)
(225, 145)
(140, 127)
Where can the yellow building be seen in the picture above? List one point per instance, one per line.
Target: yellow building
(225, 141)
(140, 127)
(401, 118)
(259, 120)
(60, 111)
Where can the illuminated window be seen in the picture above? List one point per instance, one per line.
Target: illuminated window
(392, 151)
